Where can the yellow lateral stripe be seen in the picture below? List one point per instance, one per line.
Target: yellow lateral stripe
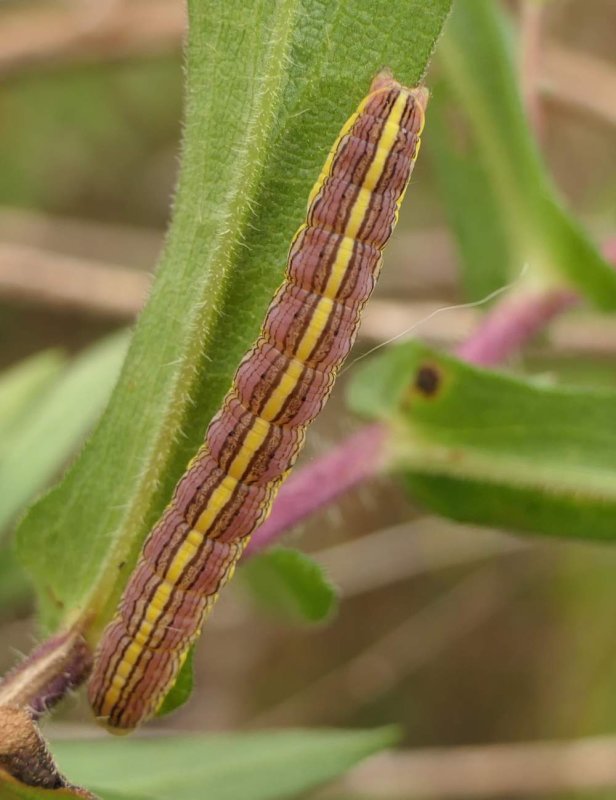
(345, 130)
(185, 553)
(131, 656)
(194, 537)
(151, 616)
(156, 605)
(330, 157)
(384, 146)
(122, 672)
(145, 629)
(324, 308)
(136, 665)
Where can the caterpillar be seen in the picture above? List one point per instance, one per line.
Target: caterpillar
(280, 386)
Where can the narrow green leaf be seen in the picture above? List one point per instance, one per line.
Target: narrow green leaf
(10, 789)
(285, 582)
(36, 449)
(45, 411)
(478, 66)
(181, 689)
(107, 795)
(22, 385)
(290, 584)
(485, 447)
(260, 766)
(269, 85)
(472, 205)
(15, 589)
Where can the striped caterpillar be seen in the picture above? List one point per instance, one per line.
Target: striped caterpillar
(279, 388)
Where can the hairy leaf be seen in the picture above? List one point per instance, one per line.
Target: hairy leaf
(269, 85)
(51, 426)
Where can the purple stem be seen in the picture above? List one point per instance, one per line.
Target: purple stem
(511, 323)
(52, 669)
(508, 326)
(321, 482)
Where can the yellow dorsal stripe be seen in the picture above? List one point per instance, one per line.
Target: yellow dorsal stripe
(386, 142)
(253, 440)
(217, 501)
(286, 385)
(320, 318)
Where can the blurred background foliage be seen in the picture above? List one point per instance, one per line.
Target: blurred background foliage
(461, 636)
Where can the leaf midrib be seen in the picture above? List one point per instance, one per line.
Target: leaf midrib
(411, 450)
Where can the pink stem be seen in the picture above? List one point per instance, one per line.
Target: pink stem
(321, 482)
(518, 318)
(513, 322)
(609, 250)
(56, 666)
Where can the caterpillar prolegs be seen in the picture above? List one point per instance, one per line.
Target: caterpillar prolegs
(280, 386)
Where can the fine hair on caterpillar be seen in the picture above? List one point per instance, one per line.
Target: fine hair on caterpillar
(280, 386)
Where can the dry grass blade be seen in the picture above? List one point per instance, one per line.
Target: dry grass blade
(579, 80)
(392, 657)
(503, 770)
(29, 273)
(49, 35)
(413, 548)
(530, 54)
(582, 333)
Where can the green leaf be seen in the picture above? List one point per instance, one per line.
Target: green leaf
(290, 583)
(181, 689)
(38, 447)
(21, 388)
(478, 65)
(285, 582)
(259, 766)
(11, 789)
(473, 209)
(15, 589)
(22, 385)
(269, 86)
(45, 411)
(124, 796)
(488, 448)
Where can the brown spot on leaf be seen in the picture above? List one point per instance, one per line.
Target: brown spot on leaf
(427, 380)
